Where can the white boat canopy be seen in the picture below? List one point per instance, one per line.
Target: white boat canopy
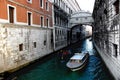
(78, 56)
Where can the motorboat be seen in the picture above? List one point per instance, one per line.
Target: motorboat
(78, 61)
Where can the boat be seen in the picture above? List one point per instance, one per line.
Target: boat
(90, 39)
(78, 61)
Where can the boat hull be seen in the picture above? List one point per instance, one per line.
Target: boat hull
(79, 67)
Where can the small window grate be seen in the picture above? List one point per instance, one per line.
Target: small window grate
(35, 45)
(20, 47)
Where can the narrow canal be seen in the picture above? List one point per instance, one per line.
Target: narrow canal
(54, 68)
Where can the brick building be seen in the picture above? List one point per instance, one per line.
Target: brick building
(26, 32)
(26, 12)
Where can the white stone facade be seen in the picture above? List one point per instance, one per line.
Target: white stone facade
(61, 14)
(20, 45)
(106, 33)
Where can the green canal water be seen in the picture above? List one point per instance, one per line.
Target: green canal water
(54, 68)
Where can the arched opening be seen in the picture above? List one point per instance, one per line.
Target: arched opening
(79, 32)
(80, 25)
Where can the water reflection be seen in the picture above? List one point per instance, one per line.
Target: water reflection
(87, 46)
(55, 69)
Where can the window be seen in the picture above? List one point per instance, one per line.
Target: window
(45, 42)
(20, 47)
(115, 47)
(116, 6)
(41, 3)
(30, 1)
(51, 38)
(59, 2)
(47, 22)
(35, 45)
(42, 20)
(47, 6)
(11, 14)
(76, 19)
(56, 1)
(29, 18)
(105, 11)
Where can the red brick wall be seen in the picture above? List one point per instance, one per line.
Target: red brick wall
(3, 9)
(21, 11)
(21, 14)
(36, 18)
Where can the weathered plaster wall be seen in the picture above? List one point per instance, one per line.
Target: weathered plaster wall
(11, 36)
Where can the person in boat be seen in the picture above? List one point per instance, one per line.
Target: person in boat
(64, 54)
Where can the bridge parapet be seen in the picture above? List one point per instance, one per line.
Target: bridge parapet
(81, 17)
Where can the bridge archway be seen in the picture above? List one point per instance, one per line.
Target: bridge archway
(77, 20)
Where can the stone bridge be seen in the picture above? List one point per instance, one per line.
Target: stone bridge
(81, 17)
